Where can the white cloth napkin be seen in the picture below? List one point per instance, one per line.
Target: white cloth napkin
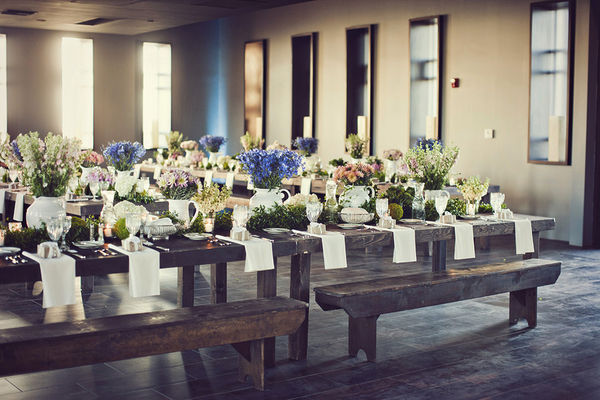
(229, 179)
(523, 236)
(208, 177)
(144, 271)
(305, 186)
(157, 171)
(136, 171)
(334, 248)
(464, 244)
(19, 201)
(259, 253)
(2, 199)
(405, 245)
(58, 277)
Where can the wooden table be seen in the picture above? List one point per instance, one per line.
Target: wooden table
(185, 254)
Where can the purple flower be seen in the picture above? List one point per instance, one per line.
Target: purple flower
(212, 143)
(307, 146)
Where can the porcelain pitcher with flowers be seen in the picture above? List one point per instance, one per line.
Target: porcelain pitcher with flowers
(181, 208)
(178, 186)
(268, 197)
(356, 178)
(356, 196)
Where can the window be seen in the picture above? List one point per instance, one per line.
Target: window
(3, 104)
(78, 90)
(550, 82)
(156, 98)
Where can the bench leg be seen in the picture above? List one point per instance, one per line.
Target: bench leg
(300, 290)
(218, 283)
(362, 334)
(185, 286)
(523, 304)
(251, 362)
(267, 287)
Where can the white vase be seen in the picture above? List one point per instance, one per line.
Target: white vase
(107, 214)
(125, 173)
(267, 198)
(85, 171)
(213, 157)
(44, 208)
(356, 196)
(182, 209)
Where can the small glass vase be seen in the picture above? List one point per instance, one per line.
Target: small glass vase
(472, 206)
(209, 224)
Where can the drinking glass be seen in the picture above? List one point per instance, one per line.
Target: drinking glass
(240, 215)
(496, 200)
(54, 227)
(66, 228)
(133, 221)
(441, 201)
(381, 206)
(313, 210)
(94, 188)
(143, 221)
(145, 183)
(13, 174)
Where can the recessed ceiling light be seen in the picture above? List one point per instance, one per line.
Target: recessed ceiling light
(96, 21)
(19, 13)
(41, 20)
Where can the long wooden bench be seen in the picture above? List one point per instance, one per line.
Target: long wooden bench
(243, 324)
(365, 301)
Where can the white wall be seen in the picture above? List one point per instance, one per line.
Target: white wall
(487, 47)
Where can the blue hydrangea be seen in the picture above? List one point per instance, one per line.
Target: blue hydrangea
(16, 150)
(212, 143)
(269, 167)
(427, 144)
(307, 146)
(123, 155)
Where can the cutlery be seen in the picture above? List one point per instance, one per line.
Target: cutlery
(74, 253)
(157, 246)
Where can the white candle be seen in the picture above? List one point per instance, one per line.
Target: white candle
(307, 127)
(556, 138)
(361, 127)
(259, 126)
(431, 127)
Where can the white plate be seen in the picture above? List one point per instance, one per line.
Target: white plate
(468, 216)
(411, 221)
(196, 236)
(349, 226)
(275, 231)
(9, 250)
(88, 244)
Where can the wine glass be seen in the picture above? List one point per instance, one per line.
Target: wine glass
(313, 210)
(143, 221)
(94, 188)
(441, 201)
(133, 222)
(240, 215)
(381, 206)
(66, 228)
(13, 174)
(496, 200)
(54, 227)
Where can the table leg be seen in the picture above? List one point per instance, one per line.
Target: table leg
(300, 290)
(266, 286)
(218, 283)
(438, 261)
(536, 247)
(87, 284)
(185, 286)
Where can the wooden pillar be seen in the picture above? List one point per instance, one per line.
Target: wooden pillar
(218, 283)
(438, 261)
(266, 286)
(185, 286)
(300, 290)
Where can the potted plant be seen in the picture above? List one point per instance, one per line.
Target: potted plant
(48, 165)
(429, 162)
(179, 186)
(267, 168)
(212, 144)
(356, 179)
(210, 200)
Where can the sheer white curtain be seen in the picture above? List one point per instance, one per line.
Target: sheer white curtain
(78, 90)
(156, 96)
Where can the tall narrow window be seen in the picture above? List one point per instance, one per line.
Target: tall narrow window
(3, 102)
(156, 94)
(78, 90)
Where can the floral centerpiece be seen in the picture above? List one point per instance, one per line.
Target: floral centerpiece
(125, 186)
(276, 146)
(392, 159)
(48, 165)
(210, 200)
(101, 176)
(122, 156)
(300, 199)
(306, 146)
(354, 174)
(267, 169)
(472, 190)
(174, 140)
(189, 145)
(356, 146)
(392, 154)
(196, 158)
(177, 184)
(212, 144)
(429, 162)
(224, 162)
(9, 152)
(91, 159)
(248, 142)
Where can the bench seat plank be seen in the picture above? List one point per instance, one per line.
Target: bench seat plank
(386, 295)
(68, 344)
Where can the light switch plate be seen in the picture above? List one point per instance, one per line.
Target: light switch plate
(488, 133)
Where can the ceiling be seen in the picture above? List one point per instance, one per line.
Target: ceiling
(126, 17)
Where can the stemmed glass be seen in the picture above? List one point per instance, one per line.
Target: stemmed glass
(94, 188)
(144, 183)
(441, 201)
(54, 227)
(143, 222)
(240, 215)
(133, 221)
(381, 206)
(496, 200)
(13, 174)
(66, 228)
(313, 210)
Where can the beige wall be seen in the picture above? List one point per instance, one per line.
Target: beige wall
(487, 47)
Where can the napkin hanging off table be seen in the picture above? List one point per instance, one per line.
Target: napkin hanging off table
(58, 277)
(405, 246)
(334, 249)
(144, 271)
(259, 253)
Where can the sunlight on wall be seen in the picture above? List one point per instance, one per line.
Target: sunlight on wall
(156, 94)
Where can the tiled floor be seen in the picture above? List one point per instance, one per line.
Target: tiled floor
(457, 351)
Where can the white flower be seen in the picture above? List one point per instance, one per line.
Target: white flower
(125, 207)
(124, 185)
(301, 199)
